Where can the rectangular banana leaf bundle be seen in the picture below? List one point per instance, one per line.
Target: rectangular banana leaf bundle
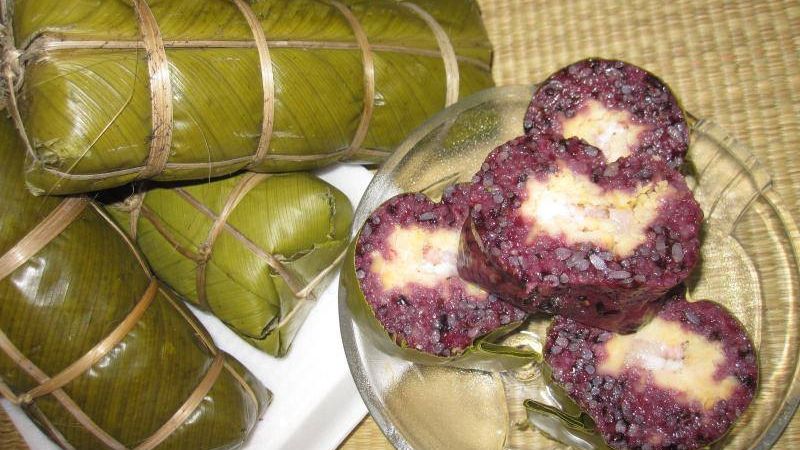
(256, 250)
(91, 347)
(107, 92)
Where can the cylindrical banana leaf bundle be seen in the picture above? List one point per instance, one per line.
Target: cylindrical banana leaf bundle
(107, 92)
(254, 249)
(91, 348)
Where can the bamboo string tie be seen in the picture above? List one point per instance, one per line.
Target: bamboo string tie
(13, 74)
(267, 83)
(191, 403)
(46, 43)
(42, 234)
(237, 194)
(160, 92)
(368, 62)
(125, 238)
(97, 352)
(48, 229)
(39, 237)
(52, 432)
(137, 203)
(272, 261)
(208, 342)
(449, 57)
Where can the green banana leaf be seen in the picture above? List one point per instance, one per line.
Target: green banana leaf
(486, 353)
(575, 429)
(279, 248)
(564, 422)
(70, 296)
(578, 422)
(84, 89)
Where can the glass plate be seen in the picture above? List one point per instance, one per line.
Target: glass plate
(749, 263)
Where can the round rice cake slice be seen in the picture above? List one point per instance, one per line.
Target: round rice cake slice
(553, 227)
(680, 382)
(406, 267)
(617, 107)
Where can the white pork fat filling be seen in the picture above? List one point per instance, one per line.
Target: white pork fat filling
(570, 205)
(612, 131)
(420, 256)
(674, 358)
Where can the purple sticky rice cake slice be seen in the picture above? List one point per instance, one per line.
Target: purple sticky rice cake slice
(680, 382)
(615, 106)
(406, 267)
(553, 227)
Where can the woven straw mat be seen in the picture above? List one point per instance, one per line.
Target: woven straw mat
(9, 438)
(736, 62)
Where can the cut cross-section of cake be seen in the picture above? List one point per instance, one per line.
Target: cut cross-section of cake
(405, 262)
(555, 228)
(615, 106)
(681, 381)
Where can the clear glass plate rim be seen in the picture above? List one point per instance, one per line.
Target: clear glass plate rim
(368, 392)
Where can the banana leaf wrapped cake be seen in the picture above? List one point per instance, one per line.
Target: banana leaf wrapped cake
(109, 92)
(91, 347)
(254, 249)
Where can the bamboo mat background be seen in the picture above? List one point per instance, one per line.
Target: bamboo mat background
(9, 438)
(736, 62)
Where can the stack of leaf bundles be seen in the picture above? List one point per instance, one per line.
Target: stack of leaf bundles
(91, 348)
(255, 250)
(108, 92)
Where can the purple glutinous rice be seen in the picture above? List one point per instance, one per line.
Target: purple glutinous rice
(555, 228)
(680, 382)
(406, 266)
(615, 106)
